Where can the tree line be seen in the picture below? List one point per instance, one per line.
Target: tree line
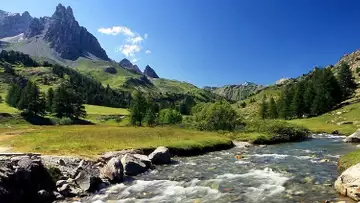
(63, 102)
(316, 93)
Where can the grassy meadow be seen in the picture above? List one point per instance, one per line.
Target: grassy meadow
(92, 140)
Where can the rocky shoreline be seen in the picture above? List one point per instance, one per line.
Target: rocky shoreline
(37, 178)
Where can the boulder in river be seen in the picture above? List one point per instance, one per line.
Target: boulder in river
(161, 155)
(113, 171)
(348, 183)
(355, 137)
(135, 164)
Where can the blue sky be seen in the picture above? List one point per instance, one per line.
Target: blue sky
(217, 42)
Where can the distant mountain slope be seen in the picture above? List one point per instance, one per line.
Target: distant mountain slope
(59, 37)
(236, 92)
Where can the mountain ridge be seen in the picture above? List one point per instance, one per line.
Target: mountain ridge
(61, 35)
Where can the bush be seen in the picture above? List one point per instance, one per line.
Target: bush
(276, 131)
(213, 117)
(169, 116)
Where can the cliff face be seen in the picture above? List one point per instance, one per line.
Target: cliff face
(13, 24)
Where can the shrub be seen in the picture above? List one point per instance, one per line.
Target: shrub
(214, 116)
(169, 116)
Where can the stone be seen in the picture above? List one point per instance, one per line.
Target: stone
(161, 155)
(108, 155)
(324, 160)
(21, 182)
(113, 171)
(59, 183)
(345, 123)
(61, 162)
(57, 195)
(348, 183)
(135, 164)
(355, 137)
(335, 132)
(45, 196)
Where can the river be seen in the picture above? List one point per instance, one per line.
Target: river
(290, 172)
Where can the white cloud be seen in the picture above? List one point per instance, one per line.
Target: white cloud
(148, 52)
(135, 40)
(130, 49)
(134, 60)
(115, 30)
(132, 42)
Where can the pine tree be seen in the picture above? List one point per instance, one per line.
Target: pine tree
(309, 95)
(284, 102)
(68, 103)
(298, 104)
(264, 109)
(273, 111)
(346, 81)
(31, 100)
(138, 108)
(49, 99)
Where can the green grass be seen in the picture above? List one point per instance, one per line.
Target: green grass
(349, 160)
(95, 69)
(103, 110)
(5, 108)
(270, 132)
(166, 85)
(328, 122)
(92, 140)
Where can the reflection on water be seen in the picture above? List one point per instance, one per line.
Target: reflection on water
(293, 172)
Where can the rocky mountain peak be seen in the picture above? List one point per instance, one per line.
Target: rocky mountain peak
(26, 14)
(63, 13)
(13, 24)
(125, 63)
(149, 72)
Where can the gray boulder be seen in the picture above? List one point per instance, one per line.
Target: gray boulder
(135, 164)
(355, 137)
(113, 171)
(26, 181)
(348, 183)
(161, 155)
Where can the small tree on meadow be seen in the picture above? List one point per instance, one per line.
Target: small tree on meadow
(138, 108)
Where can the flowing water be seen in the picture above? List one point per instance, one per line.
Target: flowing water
(291, 172)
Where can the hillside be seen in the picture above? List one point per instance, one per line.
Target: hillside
(236, 92)
(59, 39)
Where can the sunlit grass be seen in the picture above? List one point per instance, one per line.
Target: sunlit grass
(92, 140)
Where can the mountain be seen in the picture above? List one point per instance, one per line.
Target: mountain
(236, 92)
(353, 59)
(57, 37)
(13, 24)
(125, 63)
(149, 72)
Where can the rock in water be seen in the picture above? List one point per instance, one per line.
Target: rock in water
(161, 155)
(135, 164)
(355, 137)
(113, 171)
(348, 183)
